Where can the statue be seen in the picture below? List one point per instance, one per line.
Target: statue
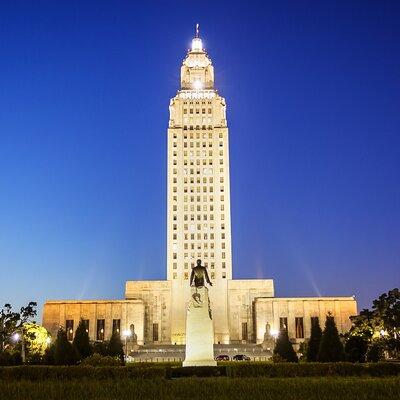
(199, 325)
(133, 337)
(131, 340)
(198, 275)
(269, 341)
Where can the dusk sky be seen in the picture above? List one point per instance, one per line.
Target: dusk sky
(313, 107)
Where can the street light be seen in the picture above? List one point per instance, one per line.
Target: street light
(126, 333)
(274, 333)
(16, 337)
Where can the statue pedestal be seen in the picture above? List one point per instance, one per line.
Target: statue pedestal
(199, 330)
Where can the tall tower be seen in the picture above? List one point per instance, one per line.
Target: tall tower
(199, 223)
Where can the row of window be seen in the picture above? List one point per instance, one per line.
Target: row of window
(197, 110)
(201, 208)
(198, 135)
(200, 217)
(196, 127)
(197, 143)
(194, 227)
(100, 327)
(204, 255)
(198, 236)
(199, 246)
(198, 198)
(192, 264)
(186, 171)
(198, 161)
(206, 199)
(298, 323)
(197, 189)
(196, 102)
(186, 275)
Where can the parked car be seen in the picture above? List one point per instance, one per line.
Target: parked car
(241, 357)
(222, 357)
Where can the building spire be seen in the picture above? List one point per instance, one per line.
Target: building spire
(197, 44)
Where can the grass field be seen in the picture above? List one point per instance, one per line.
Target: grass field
(205, 388)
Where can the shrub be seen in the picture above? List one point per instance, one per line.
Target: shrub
(48, 357)
(97, 360)
(284, 348)
(64, 352)
(184, 372)
(375, 352)
(234, 370)
(314, 342)
(81, 340)
(331, 348)
(115, 347)
(10, 358)
(44, 372)
(100, 348)
(356, 349)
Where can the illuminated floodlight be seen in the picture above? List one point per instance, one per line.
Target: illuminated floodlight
(274, 333)
(198, 85)
(15, 337)
(126, 333)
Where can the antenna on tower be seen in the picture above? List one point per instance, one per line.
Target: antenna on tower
(197, 30)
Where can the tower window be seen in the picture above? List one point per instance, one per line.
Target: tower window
(155, 332)
(100, 329)
(69, 327)
(244, 331)
(116, 328)
(299, 327)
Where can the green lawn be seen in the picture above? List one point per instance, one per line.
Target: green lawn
(205, 388)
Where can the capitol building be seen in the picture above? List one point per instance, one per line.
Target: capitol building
(198, 227)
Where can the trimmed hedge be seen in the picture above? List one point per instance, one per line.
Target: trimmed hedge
(290, 370)
(185, 372)
(234, 370)
(41, 372)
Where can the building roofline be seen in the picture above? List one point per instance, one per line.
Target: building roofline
(93, 301)
(321, 298)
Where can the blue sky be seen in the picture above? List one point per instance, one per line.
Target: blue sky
(313, 95)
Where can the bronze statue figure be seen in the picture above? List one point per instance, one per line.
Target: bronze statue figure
(199, 275)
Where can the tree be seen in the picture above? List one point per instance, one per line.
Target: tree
(81, 340)
(283, 347)
(331, 348)
(356, 348)
(36, 341)
(314, 342)
(375, 351)
(381, 323)
(115, 347)
(13, 323)
(64, 352)
(100, 348)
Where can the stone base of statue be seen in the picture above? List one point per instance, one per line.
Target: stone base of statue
(199, 330)
(268, 344)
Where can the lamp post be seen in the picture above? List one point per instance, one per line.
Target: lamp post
(19, 334)
(126, 333)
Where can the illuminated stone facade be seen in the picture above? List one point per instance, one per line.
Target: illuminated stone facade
(199, 227)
